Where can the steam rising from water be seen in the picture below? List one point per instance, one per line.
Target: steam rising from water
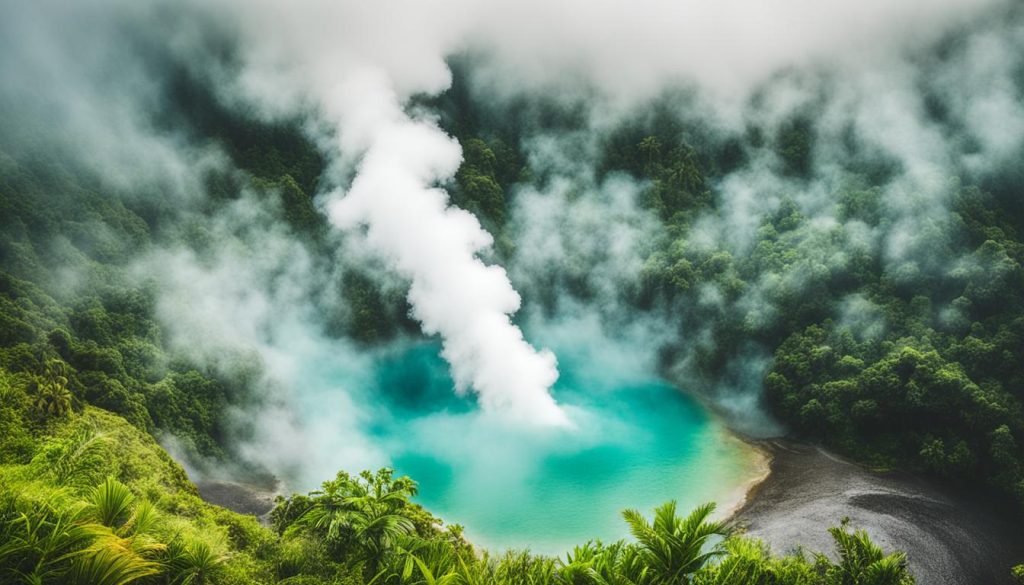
(452, 292)
(360, 79)
(359, 65)
(355, 66)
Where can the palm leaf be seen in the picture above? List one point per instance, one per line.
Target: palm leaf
(111, 503)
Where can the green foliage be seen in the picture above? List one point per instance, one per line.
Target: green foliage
(749, 562)
(78, 513)
(362, 517)
(478, 189)
(912, 363)
(795, 146)
(193, 562)
(674, 548)
(146, 526)
(905, 403)
(52, 397)
(17, 442)
(111, 503)
(37, 537)
(863, 562)
(375, 315)
(667, 549)
(912, 366)
(73, 313)
(109, 565)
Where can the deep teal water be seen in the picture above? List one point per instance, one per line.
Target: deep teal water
(637, 442)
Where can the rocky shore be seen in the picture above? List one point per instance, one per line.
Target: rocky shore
(239, 497)
(948, 538)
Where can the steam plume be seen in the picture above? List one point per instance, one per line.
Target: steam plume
(399, 158)
(452, 293)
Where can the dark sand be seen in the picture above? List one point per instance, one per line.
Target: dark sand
(948, 540)
(238, 497)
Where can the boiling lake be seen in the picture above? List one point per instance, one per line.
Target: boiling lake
(636, 441)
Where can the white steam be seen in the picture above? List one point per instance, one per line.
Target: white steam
(91, 94)
(359, 67)
(452, 292)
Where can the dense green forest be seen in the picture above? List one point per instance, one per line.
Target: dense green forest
(896, 368)
(910, 364)
(938, 399)
(86, 374)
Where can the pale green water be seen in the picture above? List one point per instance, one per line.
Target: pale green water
(638, 442)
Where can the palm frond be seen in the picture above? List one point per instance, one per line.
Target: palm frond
(110, 503)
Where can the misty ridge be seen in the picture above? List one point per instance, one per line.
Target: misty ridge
(733, 212)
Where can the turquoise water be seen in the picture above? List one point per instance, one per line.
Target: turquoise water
(636, 442)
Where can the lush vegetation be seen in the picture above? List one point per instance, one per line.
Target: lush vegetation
(97, 501)
(92, 499)
(70, 307)
(369, 521)
(912, 366)
(915, 366)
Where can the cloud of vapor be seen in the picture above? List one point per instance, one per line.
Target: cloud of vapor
(356, 66)
(636, 49)
(452, 292)
(66, 94)
(359, 65)
(244, 305)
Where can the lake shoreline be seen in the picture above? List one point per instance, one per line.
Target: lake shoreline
(948, 538)
(797, 491)
(748, 489)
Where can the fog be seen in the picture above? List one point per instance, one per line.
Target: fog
(82, 81)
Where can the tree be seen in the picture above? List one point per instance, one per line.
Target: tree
(52, 399)
(673, 547)
(362, 516)
(106, 542)
(861, 562)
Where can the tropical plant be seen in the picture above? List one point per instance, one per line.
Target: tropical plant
(9, 391)
(110, 563)
(38, 537)
(124, 548)
(363, 516)
(52, 398)
(59, 540)
(621, 564)
(79, 459)
(192, 562)
(674, 548)
(522, 568)
(110, 503)
(419, 560)
(595, 563)
(578, 566)
(862, 562)
(749, 562)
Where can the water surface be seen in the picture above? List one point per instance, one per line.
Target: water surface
(637, 442)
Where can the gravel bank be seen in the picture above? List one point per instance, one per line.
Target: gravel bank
(948, 540)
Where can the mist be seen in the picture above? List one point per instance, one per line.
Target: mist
(863, 75)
